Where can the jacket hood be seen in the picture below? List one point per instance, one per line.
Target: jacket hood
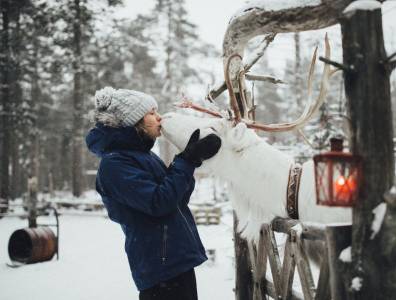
(102, 139)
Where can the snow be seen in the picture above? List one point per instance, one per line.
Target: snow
(362, 5)
(379, 214)
(345, 255)
(393, 190)
(356, 283)
(273, 5)
(92, 263)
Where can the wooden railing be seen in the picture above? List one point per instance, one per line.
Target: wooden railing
(206, 215)
(329, 284)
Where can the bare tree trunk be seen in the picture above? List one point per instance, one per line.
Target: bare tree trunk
(297, 70)
(32, 202)
(34, 166)
(5, 59)
(15, 165)
(18, 124)
(367, 89)
(64, 179)
(77, 138)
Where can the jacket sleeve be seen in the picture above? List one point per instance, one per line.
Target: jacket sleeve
(138, 189)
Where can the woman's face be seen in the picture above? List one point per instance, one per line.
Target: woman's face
(152, 124)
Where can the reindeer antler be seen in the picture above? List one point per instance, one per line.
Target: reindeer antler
(189, 104)
(271, 18)
(310, 109)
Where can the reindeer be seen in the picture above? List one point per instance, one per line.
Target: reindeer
(256, 172)
(260, 177)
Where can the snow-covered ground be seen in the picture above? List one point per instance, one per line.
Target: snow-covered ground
(93, 265)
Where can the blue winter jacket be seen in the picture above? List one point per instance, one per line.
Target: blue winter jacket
(150, 201)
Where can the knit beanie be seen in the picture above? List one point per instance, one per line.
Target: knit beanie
(122, 107)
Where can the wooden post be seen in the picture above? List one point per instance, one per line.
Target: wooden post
(244, 283)
(338, 238)
(32, 201)
(51, 185)
(367, 89)
(243, 273)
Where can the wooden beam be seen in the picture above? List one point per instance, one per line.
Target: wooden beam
(288, 267)
(243, 274)
(309, 231)
(273, 256)
(338, 238)
(323, 289)
(369, 105)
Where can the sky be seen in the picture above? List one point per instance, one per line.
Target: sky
(212, 16)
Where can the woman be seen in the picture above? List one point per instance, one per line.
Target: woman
(145, 197)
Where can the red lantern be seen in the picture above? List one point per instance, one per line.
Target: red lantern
(337, 176)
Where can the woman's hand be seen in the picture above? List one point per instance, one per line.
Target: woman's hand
(197, 150)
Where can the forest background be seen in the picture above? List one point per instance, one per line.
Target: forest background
(55, 54)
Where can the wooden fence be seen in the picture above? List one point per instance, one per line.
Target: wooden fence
(206, 215)
(329, 284)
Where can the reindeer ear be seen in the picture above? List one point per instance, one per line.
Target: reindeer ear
(241, 137)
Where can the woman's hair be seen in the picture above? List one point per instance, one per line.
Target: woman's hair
(141, 130)
(140, 126)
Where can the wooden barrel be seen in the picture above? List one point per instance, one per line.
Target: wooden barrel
(30, 245)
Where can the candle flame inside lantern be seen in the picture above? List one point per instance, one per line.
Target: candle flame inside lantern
(345, 188)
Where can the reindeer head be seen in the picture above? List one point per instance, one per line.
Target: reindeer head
(177, 128)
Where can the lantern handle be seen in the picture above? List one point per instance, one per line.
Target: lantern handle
(336, 144)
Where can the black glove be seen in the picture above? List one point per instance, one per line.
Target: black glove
(198, 150)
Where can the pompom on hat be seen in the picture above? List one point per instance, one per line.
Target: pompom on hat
(122, 107)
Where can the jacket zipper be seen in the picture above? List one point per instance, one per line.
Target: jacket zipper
(188, 226)
(164, 238)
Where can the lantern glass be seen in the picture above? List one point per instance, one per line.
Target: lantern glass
(337, 177)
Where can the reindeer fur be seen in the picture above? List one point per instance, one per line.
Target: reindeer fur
(256, 173)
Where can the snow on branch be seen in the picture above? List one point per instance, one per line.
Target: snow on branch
(345, 255)
(361, 5)
(273, 5)
(356, 283)
(279, 16)
(379, 214)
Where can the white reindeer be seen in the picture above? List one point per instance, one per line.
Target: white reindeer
(256, 173)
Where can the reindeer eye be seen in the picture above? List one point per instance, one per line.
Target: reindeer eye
(213, 129)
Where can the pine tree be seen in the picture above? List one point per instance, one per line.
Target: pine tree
(14, 112)
(79, 13)
(175, 43)
(6, 64)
